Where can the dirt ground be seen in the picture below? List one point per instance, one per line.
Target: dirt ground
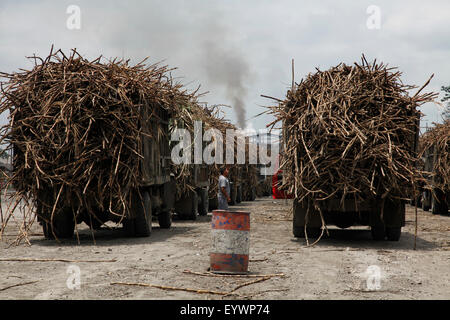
(343, 266)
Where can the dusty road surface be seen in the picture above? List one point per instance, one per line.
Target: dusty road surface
(347, 265)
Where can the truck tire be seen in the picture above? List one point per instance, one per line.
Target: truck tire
(438, 206)
(252, 194)
(233, 192)
(48, 234)
(419, 201)
(298, 231)
(191, 209)
(187, 207)
(425, 207)
(239, 194)
(192, 215)
(128, 227)
(204, 202)
(425, 201)
(393, 234)
(378, 233)
(165, 220)
(143, 215)
(434, 206)
(213, 205)
(63, 226)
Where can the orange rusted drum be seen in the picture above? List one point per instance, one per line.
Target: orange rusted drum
(230, 241)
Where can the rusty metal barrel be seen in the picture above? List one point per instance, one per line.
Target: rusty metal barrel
(230, 241)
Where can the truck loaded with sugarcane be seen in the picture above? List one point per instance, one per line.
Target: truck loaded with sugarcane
(242, 174)
(435, 151)
(350, 149)
(193, 178)
(194, 200)
(91, 142)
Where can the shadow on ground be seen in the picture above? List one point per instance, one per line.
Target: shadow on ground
(115, 236)
(362, 239)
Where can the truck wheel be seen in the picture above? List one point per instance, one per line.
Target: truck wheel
(194, 207)
(143, 220)
(233, 195)
(187, 207)
(419, 201)
(63, 226)
(165, 219)
(425, 201)
(299, 232)
(434, 206)
(239, 194)
(252, 194)
(393, 234)
(128, 227)
(190, 209)
(204, 202)
(47, 231)
(213, 205)
(424, 206)
(438, 206)
(378, 233)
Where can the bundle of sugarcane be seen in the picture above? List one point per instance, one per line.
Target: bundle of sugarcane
(76, 127)
(436, 142)
(350, 131)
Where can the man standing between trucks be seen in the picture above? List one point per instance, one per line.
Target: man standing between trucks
(224, 189)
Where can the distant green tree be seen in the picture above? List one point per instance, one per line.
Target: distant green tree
(446, 98)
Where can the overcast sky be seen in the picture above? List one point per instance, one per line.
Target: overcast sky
(239, 48)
